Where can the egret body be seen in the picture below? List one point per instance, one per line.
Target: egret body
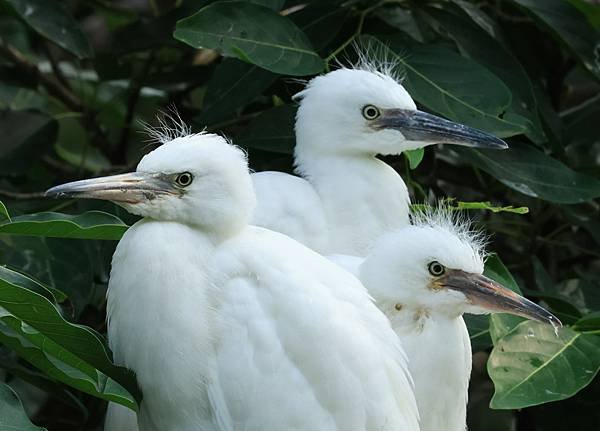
(347, 197)
(424, 277)
(233, 327)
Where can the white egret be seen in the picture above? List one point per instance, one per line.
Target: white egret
(233, 327)
(424, 277)
(347, 197)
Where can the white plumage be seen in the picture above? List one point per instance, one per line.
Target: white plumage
(347, 198)
(426, 309)
(234, 327)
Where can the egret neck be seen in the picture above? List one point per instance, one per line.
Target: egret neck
(362, 198)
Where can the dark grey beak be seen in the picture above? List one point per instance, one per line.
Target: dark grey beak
(492, 296)
(429, 129)
(131, 188)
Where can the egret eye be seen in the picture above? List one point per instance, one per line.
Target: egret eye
(184, 179)
(370, 112)
(436, 269)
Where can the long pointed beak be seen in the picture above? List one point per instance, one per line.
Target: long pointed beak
(429, 129)
(131, 188)
(484, 292)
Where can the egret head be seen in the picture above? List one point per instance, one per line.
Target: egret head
(368, 112)
(436, 265)
(196, 179)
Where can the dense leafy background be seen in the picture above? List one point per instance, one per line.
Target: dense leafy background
(78, 77)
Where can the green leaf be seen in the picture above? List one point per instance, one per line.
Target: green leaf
(271, 4)
(234, 84)
(51, 20)
(273, 131)
(26, 136)
(73, 354)
(487, 51)
(4, 215)
(414, 157)
(533, 173)
(501, 323)
(533, 365)
(89, 225)
(252, 33)
(12, 414)
(569, 26)
(73, 146)
(453, 86)
(479, 331)
(589, 322)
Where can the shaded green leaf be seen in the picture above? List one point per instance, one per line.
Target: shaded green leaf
(533, 365)
(589, 322)
(12, 414)
(51, 20)
(453, 86)
(89, 225)
(479, 331)
(487, 51)
(26, 136)
(273, 131)
(233, 84)
(569, 26)
(73, 354)
(252, 33)
(533, 173)
(4, 215)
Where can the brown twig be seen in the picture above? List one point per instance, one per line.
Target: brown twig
(56, 67)
(53, 87)
(21, 196)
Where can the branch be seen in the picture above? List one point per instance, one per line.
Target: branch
(56, 89)
(53, 87)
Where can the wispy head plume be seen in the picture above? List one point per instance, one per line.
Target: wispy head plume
(170, 126)
(376, 57)
(444, 217)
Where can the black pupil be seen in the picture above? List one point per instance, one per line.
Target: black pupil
(436, 268)
(184, 179)
(371, 112)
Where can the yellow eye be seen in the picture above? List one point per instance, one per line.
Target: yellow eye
(370, 112)
(436, 269)
(184, 179)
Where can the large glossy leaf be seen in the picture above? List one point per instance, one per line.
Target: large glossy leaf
(495, 56)
(12, 414)
(253, 33)
(73, 354)
(454, 86)
(533, 173)
(50, 19)
(569, 26)
(234, 84)
(273, 131)
(501, 323)
(533, 365)
(89, 225)
(26, 136)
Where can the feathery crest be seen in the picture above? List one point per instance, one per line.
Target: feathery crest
(170, 126)
(447, 218)
(376, 57)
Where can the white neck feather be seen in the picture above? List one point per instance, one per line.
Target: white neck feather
(362, 196)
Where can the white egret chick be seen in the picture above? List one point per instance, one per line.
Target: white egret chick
(347, 197)
(233, 327)
(424, 277)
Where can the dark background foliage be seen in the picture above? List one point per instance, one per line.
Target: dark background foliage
(78, 77)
